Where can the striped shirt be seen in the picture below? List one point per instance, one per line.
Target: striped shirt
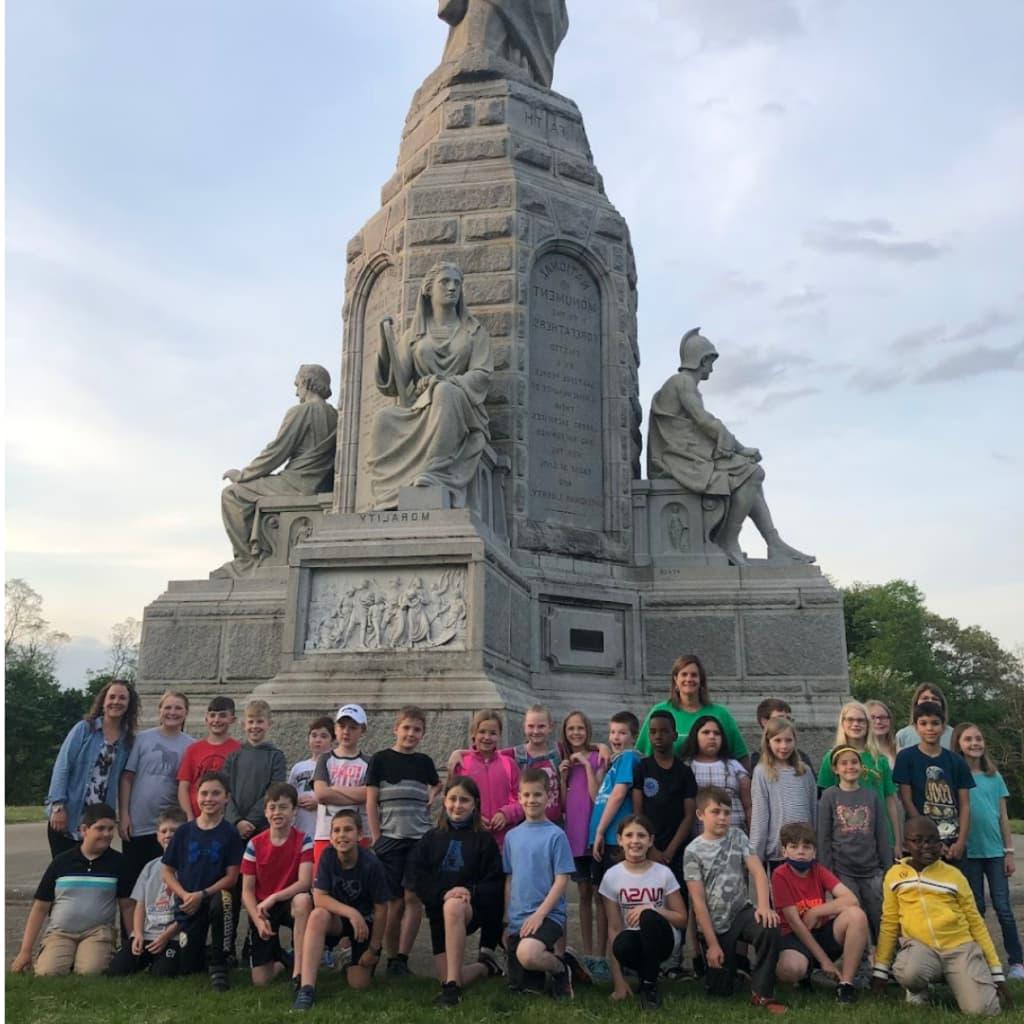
(83, 892)
(726, 775)
(403, 783)
(777, 802)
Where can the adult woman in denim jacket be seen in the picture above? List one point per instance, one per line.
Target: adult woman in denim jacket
(90, 762)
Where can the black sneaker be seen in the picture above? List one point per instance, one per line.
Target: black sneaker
(304, 998)
(561, 983)
(489, 959)
(451, 995)
(398, 967)
(649, 997)
(846, 993)
(580, 974)
(219, 978)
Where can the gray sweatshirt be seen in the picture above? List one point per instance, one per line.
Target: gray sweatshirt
(853, 838)
(777, 802)
(250, 770)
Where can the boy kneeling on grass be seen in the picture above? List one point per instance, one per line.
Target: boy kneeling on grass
(277, 872)
(77, 899)
(815, 928)
(350, 898)
(929, 913)
(716, 865)
(200, 866)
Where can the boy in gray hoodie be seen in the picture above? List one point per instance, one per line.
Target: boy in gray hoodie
(250, 770)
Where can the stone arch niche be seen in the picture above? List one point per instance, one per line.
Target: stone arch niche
(379, 297)
(566, 481)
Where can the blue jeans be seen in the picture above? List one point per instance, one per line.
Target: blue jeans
(977, 869)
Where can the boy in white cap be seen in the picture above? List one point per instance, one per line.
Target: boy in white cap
(338, 777)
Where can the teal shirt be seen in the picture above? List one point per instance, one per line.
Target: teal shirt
(985, 838)
(684, 723)
(877, 775)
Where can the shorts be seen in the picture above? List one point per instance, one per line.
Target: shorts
(435, 918)
(393, 855)
(583, 868)
(549, 932)
(612, 856)
(260, 951)
(823, 936)
(348, 932)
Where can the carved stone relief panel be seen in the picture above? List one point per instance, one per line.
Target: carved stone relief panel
(353, 611)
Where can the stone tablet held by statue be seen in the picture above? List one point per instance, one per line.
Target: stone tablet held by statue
(687, 444)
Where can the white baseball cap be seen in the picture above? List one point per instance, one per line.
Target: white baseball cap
(353, 711)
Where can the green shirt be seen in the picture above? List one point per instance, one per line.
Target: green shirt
(877, 775)
(684, 723)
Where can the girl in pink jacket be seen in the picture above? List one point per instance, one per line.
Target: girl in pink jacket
(495, 774)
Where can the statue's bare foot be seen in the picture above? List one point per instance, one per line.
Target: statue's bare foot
(732, 551)
(780, 551)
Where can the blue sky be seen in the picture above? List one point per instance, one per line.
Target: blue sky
(831, 189)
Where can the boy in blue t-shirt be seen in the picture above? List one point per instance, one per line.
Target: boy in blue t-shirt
(201, 866)
(538, 862)
(935, 782)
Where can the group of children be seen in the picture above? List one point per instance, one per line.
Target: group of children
(347, 855)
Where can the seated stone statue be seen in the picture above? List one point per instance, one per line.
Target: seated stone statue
(687, 444)
(519, 37)
(439, 372)
(305, 447)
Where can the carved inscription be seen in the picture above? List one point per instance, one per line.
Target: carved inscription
(566, 460)
(382, 301)
(349, 612)
(545, 123)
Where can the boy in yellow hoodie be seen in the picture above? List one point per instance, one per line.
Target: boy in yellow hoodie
(929, 912)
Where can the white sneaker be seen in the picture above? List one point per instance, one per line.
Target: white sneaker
(917, 998)
(1016, 972)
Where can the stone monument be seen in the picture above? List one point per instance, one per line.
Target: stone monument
(488, 540)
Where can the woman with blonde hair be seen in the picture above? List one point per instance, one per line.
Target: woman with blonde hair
(854, 730)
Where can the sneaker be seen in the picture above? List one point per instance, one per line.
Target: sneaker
(1016, 972)
(343, 957)
(450, 995)
(328, 959)
(304, 998)
(599, 969)
(398, 967)
(219, 981)
(580, 974)
(846, 993)
(561, 983)
(489, 959)
(768, 1003)
(917, 998)
(649, 998)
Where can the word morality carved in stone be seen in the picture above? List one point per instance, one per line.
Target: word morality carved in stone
(350, 614)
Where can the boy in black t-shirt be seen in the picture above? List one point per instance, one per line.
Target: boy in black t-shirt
(665, 792)
(350, 900)
(201, 867)
(77, 900)
(401, 784)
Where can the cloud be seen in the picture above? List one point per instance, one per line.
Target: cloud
(737, 283)
(940, 334)
(874, 236)
(871, 382)
(918, 338)
(724, 26)
(776, 399)
(993, 320)
(976, 361)
(803, 297)
(773, 109)
(753, 368)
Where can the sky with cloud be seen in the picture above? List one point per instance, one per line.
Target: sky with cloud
(830, 188)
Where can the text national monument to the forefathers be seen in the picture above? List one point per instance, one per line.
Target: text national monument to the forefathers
(454, 515)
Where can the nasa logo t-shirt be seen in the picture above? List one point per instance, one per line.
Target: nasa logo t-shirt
(632, 889)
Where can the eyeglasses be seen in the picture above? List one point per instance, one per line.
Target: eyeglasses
(850, 720)
(880, 718)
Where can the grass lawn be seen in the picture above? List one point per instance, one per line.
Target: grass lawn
(143, 999)
(19, 814)
(1017, 825)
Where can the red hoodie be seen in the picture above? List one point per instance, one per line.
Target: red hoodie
(497, 777)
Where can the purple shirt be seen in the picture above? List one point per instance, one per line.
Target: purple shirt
(578, 805)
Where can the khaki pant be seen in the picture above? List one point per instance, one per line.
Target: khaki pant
(82, 952)
(964, 968)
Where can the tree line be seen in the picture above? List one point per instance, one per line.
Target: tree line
(894, 643)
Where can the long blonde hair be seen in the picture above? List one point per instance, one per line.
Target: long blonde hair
(843, 740)
(775, 727)
(887, 746)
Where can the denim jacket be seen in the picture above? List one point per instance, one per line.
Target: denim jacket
(74, 765)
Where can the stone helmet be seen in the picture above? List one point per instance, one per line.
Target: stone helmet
(693, 349)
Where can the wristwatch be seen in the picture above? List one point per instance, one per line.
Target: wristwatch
(1009, 849)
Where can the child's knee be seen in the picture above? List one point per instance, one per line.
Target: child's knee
(358, 978)
(530, 952)
(318, 920)
(302, 904)
(792, 967)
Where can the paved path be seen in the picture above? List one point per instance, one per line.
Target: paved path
(27, 855)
